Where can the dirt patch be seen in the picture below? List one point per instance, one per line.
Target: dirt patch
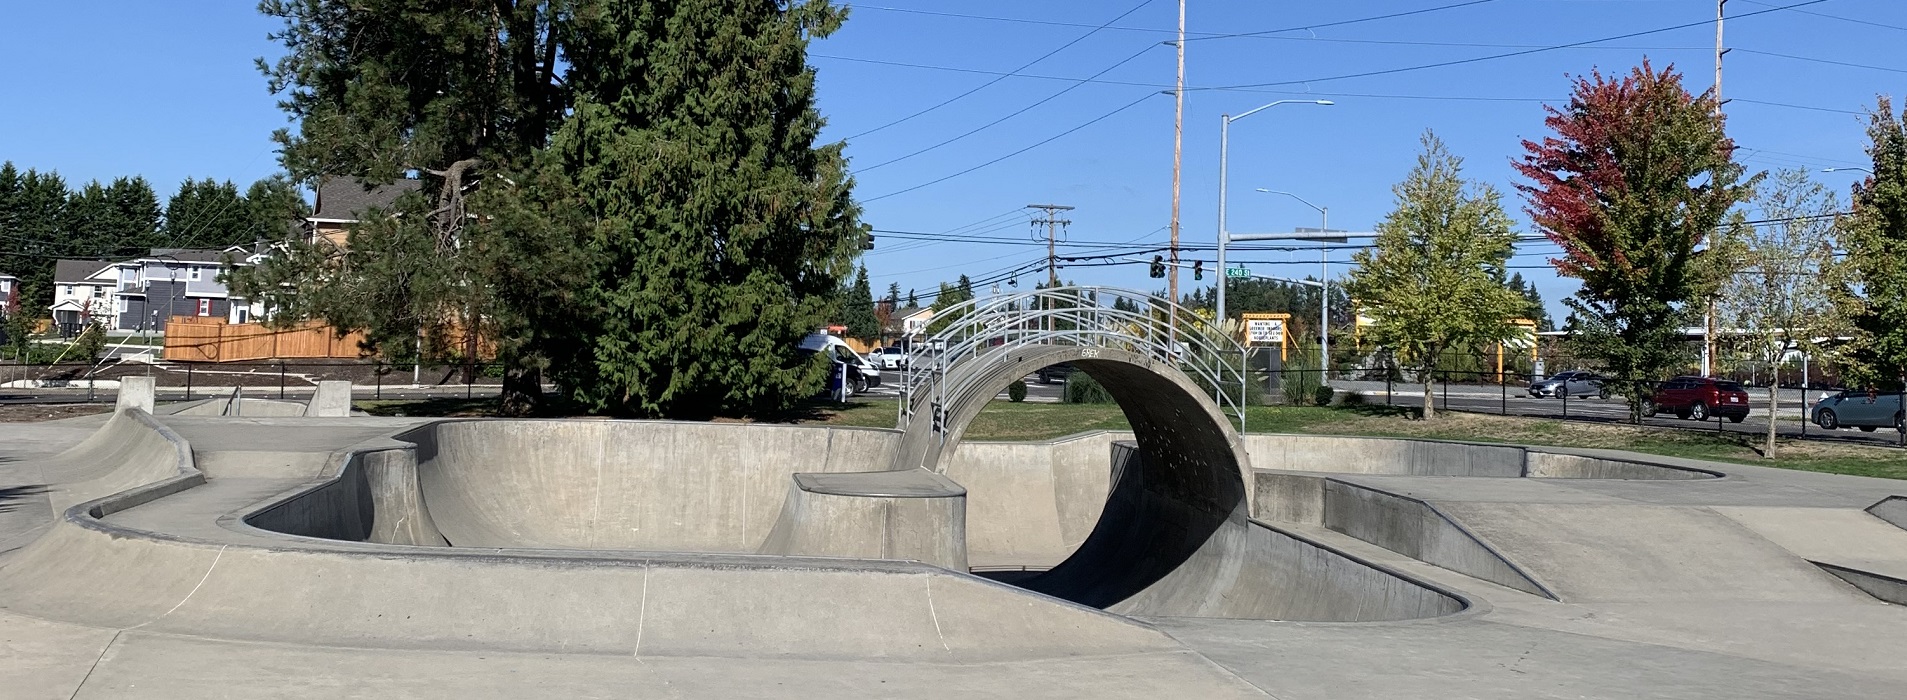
(34, 412)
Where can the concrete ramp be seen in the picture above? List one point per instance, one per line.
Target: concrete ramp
(1645, 553)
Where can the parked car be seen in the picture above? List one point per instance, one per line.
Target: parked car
(1052, 373)
(1866, 410)
(1576, 383)
(890, 357)
(1699, 398)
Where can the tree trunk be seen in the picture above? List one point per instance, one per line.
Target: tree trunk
(1774, 409)
(522, 392)
(1430, 400)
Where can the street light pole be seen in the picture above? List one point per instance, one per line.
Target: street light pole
(1324, 279)
(1224, 153)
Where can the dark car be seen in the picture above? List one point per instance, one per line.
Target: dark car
(1699, 398)
(1576, 383)
(1052, 373)
(1866, 410)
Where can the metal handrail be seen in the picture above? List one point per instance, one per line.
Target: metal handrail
(1087, 316)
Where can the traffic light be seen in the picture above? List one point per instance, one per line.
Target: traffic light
(1158, 266)
(869, 243)
(1198, 269)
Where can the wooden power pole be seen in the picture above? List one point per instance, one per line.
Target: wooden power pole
(1708, 318)
(1053, 224)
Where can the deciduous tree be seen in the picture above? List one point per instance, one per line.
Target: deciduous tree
(1637, 175)
(1872, 291)
(1777, 297)
(1432, 281)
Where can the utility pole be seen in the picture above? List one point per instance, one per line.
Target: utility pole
(1708, 318)
(1178, 149)
(1053, 223)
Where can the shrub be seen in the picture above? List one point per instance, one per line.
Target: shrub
(1016, 392)
(1082, 388)
(1301, 379)
(1323, 394)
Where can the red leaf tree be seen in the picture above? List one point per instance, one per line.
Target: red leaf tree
(1636, 176)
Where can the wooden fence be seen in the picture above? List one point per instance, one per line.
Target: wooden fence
(194, 339)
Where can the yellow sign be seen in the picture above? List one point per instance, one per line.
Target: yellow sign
(1266, 330)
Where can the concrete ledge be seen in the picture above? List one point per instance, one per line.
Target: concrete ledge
(1417, 529)
(1892, 509)
(1884, 588)
(914, 515)
(135, 392)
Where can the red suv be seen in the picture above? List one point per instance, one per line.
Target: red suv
(1700, 398)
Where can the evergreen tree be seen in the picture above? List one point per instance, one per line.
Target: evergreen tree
(718, 231)
(1636, 177)
(913, 300)
(272, 206)
(1432, 281)
(136, 208)
(1871, 294)
(893, 294)
(35, 231)
(966, 287)
(460, 94)
(207, 214)
(857, 310)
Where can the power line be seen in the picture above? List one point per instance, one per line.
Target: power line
(1792, 57)
(1191, 36)
(1020, 111)
(983, 86)
(1047, 140)
(1163, 86)
(1869, 23)
(1341, 23)
(1791, 106)
(1492, 57)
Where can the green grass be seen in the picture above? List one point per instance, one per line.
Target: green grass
(1007, 421)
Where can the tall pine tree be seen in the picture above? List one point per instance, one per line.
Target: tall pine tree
(719, 232)
(857, 309)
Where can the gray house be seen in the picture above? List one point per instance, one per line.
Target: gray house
(140, 294)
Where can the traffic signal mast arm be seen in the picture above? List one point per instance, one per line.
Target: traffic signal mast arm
(1198, 265)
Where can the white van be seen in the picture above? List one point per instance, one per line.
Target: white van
(862, 372)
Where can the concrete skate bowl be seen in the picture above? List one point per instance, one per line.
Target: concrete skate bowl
(1167, 526)
(633, 489)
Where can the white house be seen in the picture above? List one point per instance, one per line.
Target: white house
(82, 294)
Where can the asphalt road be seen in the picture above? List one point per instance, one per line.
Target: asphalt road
(1477, 399)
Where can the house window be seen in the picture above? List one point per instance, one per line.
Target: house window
(205, 307)
(194, 274)
(67, 290)
(99, 292)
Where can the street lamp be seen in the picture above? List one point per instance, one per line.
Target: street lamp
(1324, 278)
(1224, 152)
(1836, 170)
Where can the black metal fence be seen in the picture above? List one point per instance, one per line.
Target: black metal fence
(1591, 400)
(82, 382)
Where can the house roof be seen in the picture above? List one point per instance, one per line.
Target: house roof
(76, 271)
(912, 311)
(190, 255)
(346, 198)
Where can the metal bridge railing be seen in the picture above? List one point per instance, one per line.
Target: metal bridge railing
(989, 329)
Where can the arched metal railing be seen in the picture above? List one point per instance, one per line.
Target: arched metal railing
(989, 329)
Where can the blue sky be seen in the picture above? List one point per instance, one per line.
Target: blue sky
(167, 90)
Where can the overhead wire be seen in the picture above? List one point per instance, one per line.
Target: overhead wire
(1042, 142)
(1015, 113)
(983, 86)
(1512, 54)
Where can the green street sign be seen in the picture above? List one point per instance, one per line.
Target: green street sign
(1237, 273)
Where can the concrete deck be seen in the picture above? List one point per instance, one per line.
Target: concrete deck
(1696, 588)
